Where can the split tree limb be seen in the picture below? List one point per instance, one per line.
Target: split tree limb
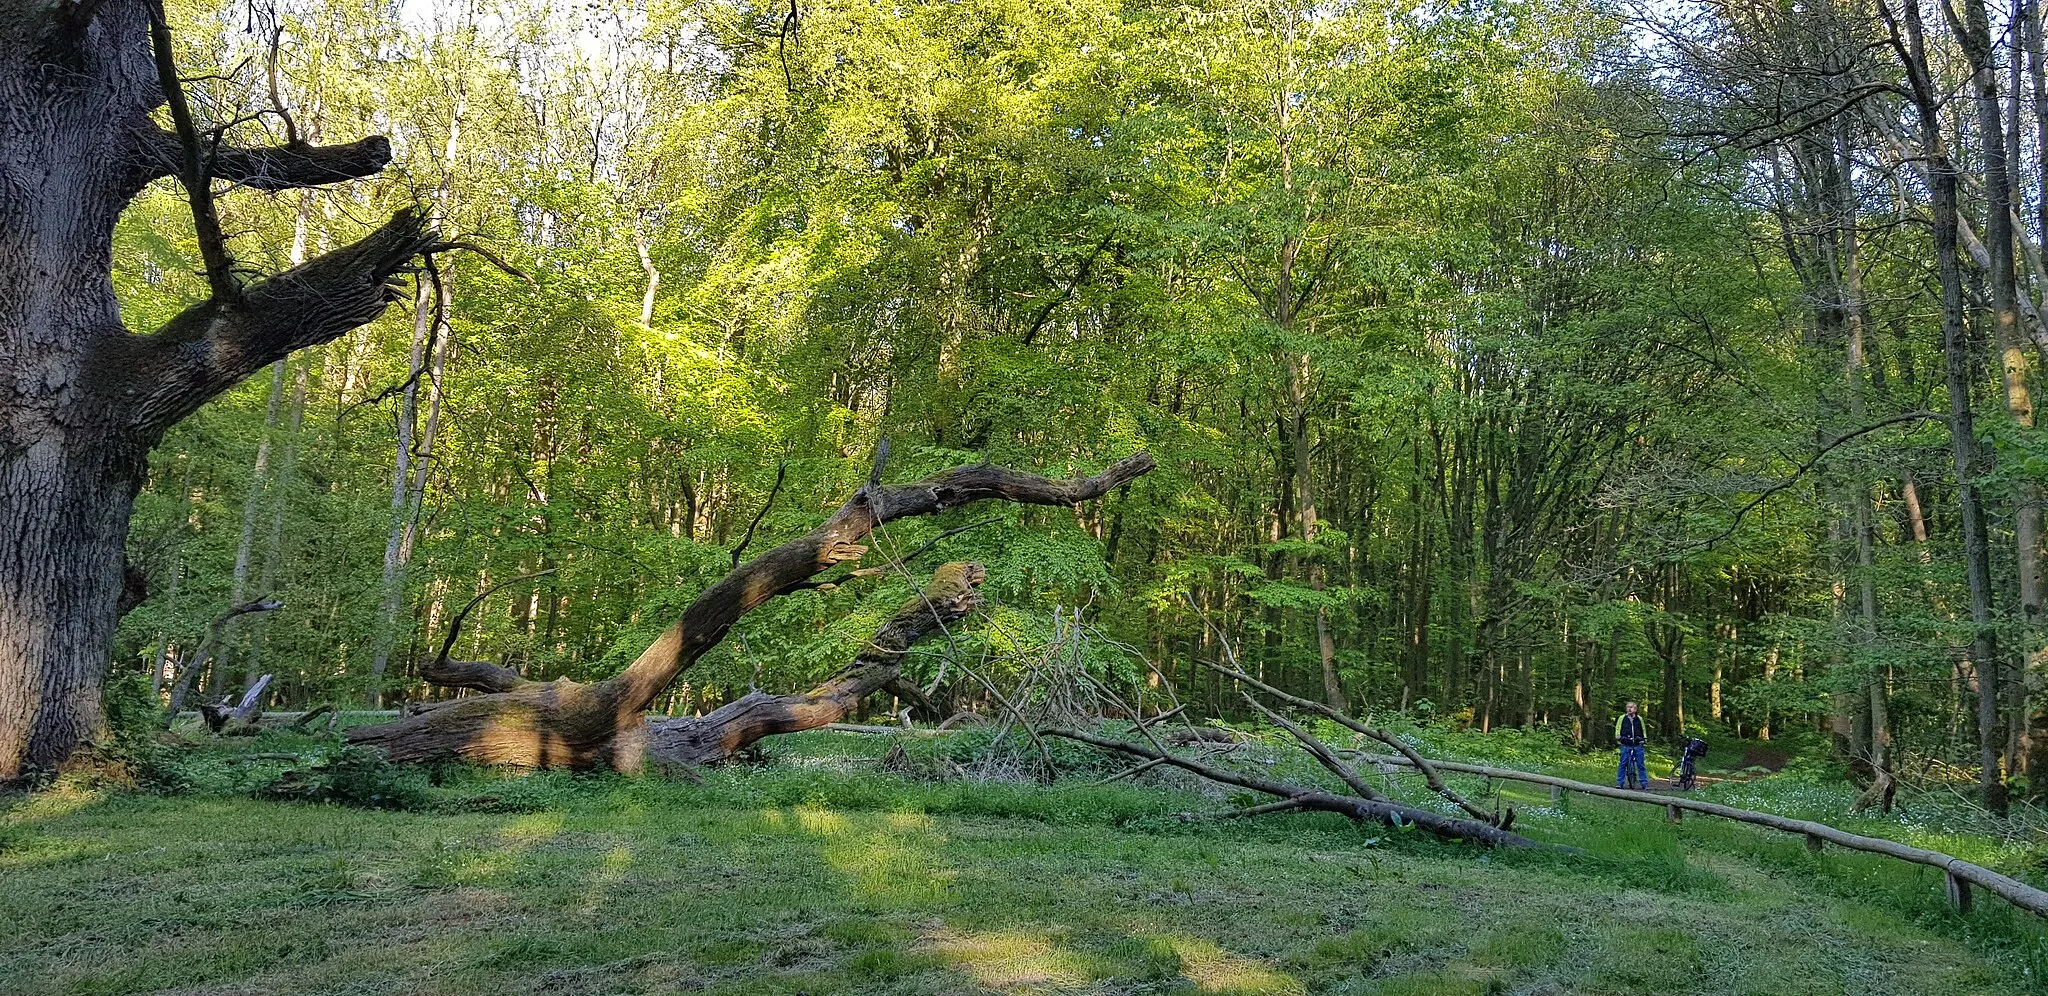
(214, 345)
(950, 597)
(228, 712)
(189, 670)
(283, 167)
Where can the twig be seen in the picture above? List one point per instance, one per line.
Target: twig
(455, 625)
(1282, 806)
(1801, 471)
(791, 25)
(1131, 772)
(489, 257)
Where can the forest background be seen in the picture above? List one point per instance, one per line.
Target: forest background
(1502, 361)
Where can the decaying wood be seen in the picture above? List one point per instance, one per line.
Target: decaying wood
(1957, 870)
(1420, 763)
(951, 595)
(568, 724)
(230, 715)
(1383, 811)
(190, 669)
(1882, 792)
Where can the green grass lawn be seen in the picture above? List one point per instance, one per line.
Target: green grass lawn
(809, 877)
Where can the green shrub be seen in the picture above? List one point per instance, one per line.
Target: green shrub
(350, 776)
(129, 748)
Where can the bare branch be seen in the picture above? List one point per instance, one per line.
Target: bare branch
(1317, 749)
(785, 568)
(1378, 811)
(781, 471)
(211, 347)
(192, 165)
(479, 675)
(285, 167)
(951, 596)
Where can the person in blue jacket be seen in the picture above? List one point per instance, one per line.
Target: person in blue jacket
(1629, 733)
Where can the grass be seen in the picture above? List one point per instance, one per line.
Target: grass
(820, 874)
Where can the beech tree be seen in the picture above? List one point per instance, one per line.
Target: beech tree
(83, 399)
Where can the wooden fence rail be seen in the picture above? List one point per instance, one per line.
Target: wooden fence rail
(1958, 875)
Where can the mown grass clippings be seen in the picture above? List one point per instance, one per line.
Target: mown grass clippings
(804, 878)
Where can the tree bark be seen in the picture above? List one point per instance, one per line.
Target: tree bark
(1908, 38)
(82, 400)
(708, 739)
(568, 724)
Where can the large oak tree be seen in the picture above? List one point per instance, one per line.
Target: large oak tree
(83, 399)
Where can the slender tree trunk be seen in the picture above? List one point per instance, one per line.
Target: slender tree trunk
(252, 509)
(1856, 376)
(392, 584)
(408, 480)
(1305, 505)
(2036, 722)
(1962, 428)
(653, 279)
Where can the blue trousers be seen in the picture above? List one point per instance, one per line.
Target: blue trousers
(1631, 764)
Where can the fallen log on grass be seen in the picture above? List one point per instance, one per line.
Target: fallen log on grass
(1369, 807)
(570, 724)
(1958, 874)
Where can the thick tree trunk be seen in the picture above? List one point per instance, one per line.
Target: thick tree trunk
(568, 724)
(65, 492)
(63, 522)
(81, 399)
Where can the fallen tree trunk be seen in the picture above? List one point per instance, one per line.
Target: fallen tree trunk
(569, 724)
(1429, 772)
(950, 596)
(1373, 810)
(2012, 890)
(240, 717)
(189, 670)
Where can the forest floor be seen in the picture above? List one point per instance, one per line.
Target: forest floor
(817, 872)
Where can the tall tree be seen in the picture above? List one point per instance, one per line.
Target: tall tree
(82, 399)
